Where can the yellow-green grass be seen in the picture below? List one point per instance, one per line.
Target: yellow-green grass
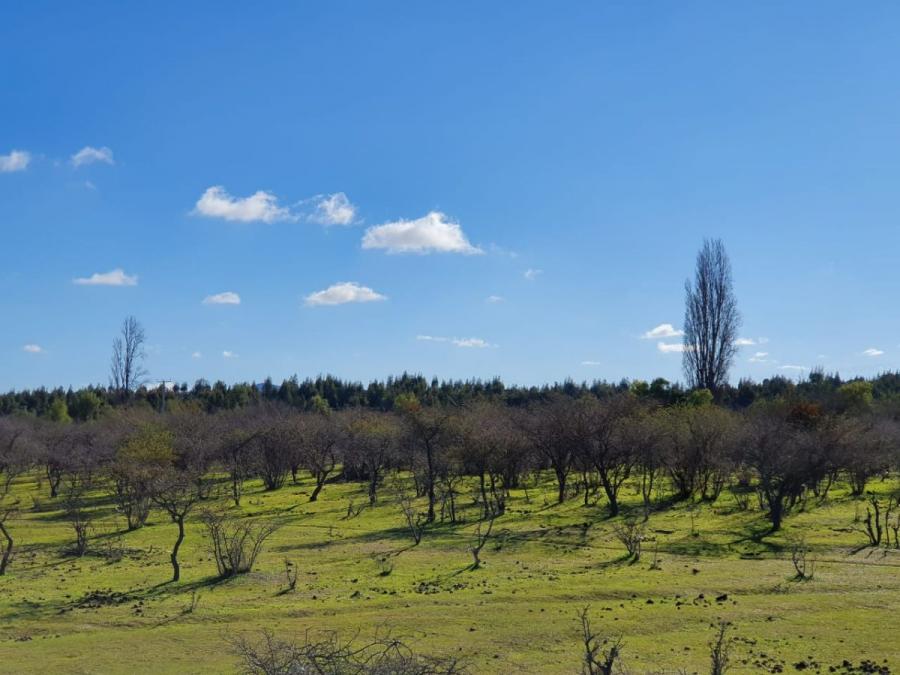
(518, 613)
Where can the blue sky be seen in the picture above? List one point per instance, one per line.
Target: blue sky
(525, 183)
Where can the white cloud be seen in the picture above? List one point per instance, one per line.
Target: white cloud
(796, 368)
(196, 355)
(591, 363)
(532, 274)
(476, 343)
(431, 233)
(663, 330)
(342, 293)
(88, 155)
(761, 357)
(670, 347)
(229, 355)
(116, 277)
(261, 206)
(333, 209)
(499, 250)
(16, 160)
(32, 349)
(750, 342)
(469, 343)
(226, 298)
(871, 351)
(494, 299)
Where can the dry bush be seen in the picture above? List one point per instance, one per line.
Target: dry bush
(329, 655)
(235, 544)
(631, 533)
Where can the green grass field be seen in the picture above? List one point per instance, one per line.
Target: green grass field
(516, 614)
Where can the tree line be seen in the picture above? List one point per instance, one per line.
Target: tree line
(774, 455)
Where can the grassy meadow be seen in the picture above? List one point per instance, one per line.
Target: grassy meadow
(112, 611)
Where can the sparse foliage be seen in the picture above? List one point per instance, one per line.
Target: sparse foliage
(235, 543)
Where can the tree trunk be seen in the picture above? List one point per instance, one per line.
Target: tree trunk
(320, 481)
(176, 568)
(373, 486)
(561, 480)
(429, 455)
(7, 552)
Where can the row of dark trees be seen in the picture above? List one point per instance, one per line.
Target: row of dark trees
(826, 390)
(783, 451)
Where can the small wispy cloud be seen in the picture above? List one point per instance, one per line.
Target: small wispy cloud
(32, 349)
(226, 298)
(229, 355)
(261, 206)
(116, 277)
(670, 347)
(663, 330)
(750, 342)
(501, 251)
(432, 233)
(343, 292)
(872, 351)
(793, 368)
(16, 160)
(494, 299)
(90, 155)
(197, 355)
(468, 343)
(761, 357)
(532, 274)
(334, 209)
(476, 343)
(591, 363)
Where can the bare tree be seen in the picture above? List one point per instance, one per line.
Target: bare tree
(805, 568)
(235, 543)
(711, 319)
(429, 431)
(11, 464)
(720, 650)
(415, 521)
(126, 371)
(176, 492)
(482, 535)
(600, 655)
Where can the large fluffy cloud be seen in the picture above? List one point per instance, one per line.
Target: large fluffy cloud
(433, 233)
(342, 293)
(116, 277)
(261, 206)
(17, 160)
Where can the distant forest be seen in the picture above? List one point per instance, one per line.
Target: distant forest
(827, 390)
